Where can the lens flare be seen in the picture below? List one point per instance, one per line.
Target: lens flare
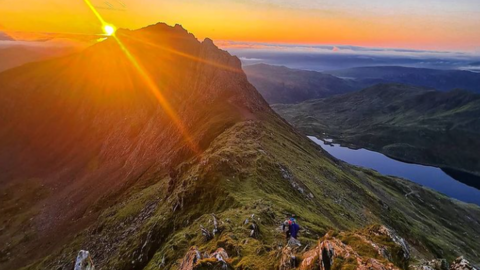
(150, 83)
(109, 30)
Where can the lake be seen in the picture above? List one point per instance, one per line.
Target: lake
(432, 177)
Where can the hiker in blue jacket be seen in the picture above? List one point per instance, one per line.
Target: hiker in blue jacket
(293, 228)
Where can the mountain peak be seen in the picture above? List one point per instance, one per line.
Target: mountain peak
(144, 104)
(163, 28)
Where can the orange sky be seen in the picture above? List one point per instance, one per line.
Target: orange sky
(426, 24)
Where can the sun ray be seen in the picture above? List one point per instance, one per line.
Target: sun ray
(152, 86)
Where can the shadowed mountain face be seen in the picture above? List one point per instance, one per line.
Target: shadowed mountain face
(279, 84)
(128, 149)
(442, 80)
(405, 122)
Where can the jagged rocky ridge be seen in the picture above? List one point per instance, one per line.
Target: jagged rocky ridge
(91, 161)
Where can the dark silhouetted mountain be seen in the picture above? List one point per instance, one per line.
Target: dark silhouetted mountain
(408, 123)
(279, 84)
(442, 80)
(157, 148)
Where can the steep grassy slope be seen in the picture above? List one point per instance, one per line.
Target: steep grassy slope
(263, 169)
(279, 84)
(408, 123)
(91, 160)
(84, 129)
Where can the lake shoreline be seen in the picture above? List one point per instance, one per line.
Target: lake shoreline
(333, 140)
(433, 177)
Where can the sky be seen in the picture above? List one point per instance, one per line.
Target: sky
(414, 24)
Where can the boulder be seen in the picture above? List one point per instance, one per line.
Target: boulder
(193, 260)
(404, 254)
(461, 264)
(84, 261)
(288, 259)
(221, 256)
(293, 243)
(311, 260)
(190, 259)
(436, 264)
(333, 253)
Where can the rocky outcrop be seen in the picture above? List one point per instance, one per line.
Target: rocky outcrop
(311, 259)
(194, 260)
(364, 253)
(333, 252)
(435, 264)
(252, 225)
(221, 256)
(461, 264)
(84, 261)
(404, 253)
(190, 259)
(288, 260)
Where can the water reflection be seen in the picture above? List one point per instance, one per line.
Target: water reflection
(431, 177)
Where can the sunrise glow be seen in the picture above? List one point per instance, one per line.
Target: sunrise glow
(413, 24)
(150, 83)
(109, 30)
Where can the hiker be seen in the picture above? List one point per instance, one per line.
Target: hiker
(286, 228)
(293, 228)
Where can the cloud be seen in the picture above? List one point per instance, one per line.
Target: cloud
(46, 39)
(250, 59)
(342, 49)
(47, 36)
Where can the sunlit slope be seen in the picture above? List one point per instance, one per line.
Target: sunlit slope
(90, 159)
(78, 131)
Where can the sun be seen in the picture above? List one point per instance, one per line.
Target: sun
(109, 30)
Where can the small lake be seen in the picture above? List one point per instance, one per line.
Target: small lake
(432, 177)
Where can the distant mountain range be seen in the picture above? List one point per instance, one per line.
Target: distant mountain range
(284, 85)
(279, 84)
(442, 80)
(405, 122)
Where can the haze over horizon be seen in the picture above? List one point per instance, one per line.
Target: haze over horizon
(425, 25)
